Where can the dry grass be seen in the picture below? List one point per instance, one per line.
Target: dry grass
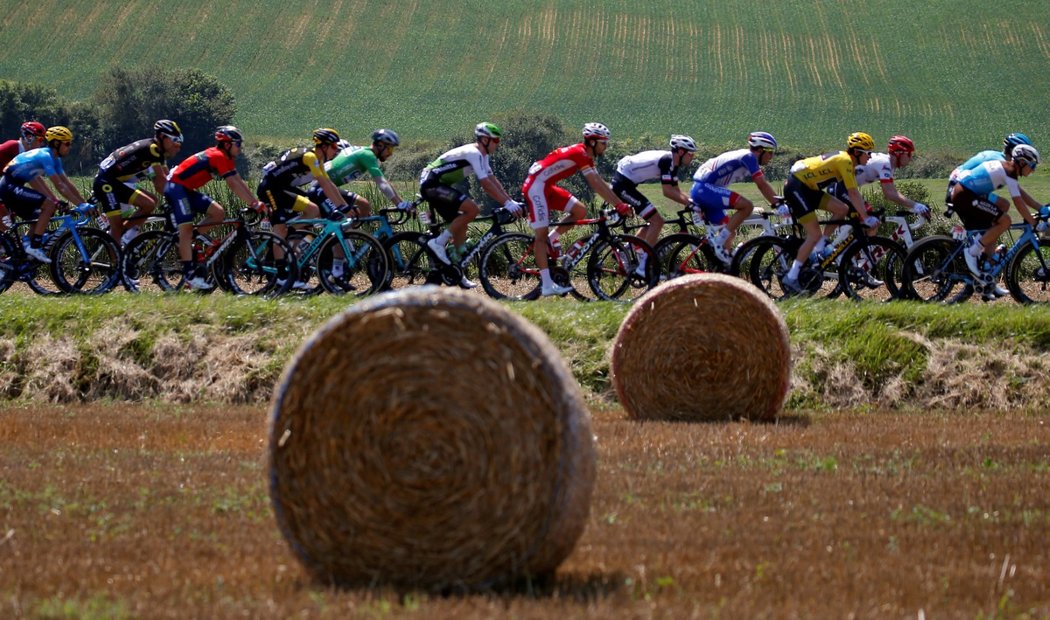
(111, 511)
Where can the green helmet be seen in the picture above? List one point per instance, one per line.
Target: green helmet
(487, 130)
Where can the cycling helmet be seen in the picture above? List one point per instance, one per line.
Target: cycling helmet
(596, 131)
(343, 144)
(900, 144)
(1027, 154)
(33, 128)
(761, 139)
(386, 136)
(168, 128)
(62, 134)
(324, 136)
(228, 133)
(487, 130)
(683, 142)
(860, 141)
(1013, 139)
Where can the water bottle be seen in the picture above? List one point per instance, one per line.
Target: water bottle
(102, 222)
(698, 218)
(1000, 253)
(958, 232)
(577, 246)
(265, 224)
(424, 216)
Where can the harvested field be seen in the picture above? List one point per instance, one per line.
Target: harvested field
(162, 511)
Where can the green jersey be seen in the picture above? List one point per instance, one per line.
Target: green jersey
(351, 163)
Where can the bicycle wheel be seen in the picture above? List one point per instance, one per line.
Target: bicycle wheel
(933, 268)
(90, 268)
(308, 282)
(363, 261)
(763, 262)
(409, 263)
(151, 263)
(508, 268)
(615, 271)
(683, 254)
(8, 263)
(249, 265)
(866, 271)
(1028, 275)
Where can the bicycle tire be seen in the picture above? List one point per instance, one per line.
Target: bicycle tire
(612, 269)
(508, 268)
(8, 263)
(866, 262)
(1028, 275)
(763, 262)
(364, 268)
(299, 240)
(151, 263)
(408, 261)
(92, 272)
(250, 266)
(681, 254)
(933, 268)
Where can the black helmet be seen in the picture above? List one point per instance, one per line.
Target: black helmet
(386, 136)
(228, 133)
(164, 127)
(324, 136)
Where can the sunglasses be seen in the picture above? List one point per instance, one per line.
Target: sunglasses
(31, 136)
(175, 139)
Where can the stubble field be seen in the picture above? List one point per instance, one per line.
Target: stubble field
(113, 511)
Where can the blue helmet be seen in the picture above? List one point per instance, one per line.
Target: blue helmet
(1013, 139)
(761, 139)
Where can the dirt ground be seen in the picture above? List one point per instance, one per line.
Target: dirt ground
(112, 511)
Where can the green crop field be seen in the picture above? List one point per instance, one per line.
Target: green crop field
(954, 75)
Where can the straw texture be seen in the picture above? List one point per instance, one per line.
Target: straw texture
(704, 347)
(430, 439)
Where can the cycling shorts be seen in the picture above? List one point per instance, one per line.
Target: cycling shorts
(542, 199)
(628, 192)
(976, 212)
(802, 199)
(317, 196)
(444, 199)
(713, 200)
(111, 195)
(23, 201)
(185, 202)
(285, 202)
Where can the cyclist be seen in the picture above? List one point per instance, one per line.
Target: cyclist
(649, 166)
(184, 199)
(543, 195)
(711, 194)
(1009, 142)
(436, 185)
(804, 193)
(32, 137)
(352, 162)
(30, 168)
(979, 208)
(119, 173)
(282, 187)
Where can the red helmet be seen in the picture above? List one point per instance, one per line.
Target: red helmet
(33, 128)
(901, 144)
(228, 133)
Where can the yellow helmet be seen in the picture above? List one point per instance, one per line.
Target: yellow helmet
(860, 140)
(60, 133)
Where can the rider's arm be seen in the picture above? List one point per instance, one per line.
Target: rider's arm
(240, 188)
(672, 191)
(331, 192)
(66, 188)
(858, 203)
(767, 190)
(41, 186)
(1031, 202)
(1022, 208)
(387, 189)
(600, 187)
(160, 178)
(494, 188)
(889, 190)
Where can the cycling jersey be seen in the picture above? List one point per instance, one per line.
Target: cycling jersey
(987, 177)
(456, 165)
(729, 167)
(975, 161)
(819, 171)
(197, 170)
(9, 150)
(560, 164)
(351, 163)
(129, 163)
(879, 168)
(294, 168)
(31, 164)
(649, 166)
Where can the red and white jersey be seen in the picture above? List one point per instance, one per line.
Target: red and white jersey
(878, 169)
(560, 164)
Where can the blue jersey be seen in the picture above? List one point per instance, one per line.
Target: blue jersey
(975, 161)
(31, 164)
(988, 177)
(729, 167)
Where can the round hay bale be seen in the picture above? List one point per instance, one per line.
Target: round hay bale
(705, 347)
(430, 439)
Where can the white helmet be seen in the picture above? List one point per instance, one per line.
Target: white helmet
(683, 142)
(1027, 154)
(596, 131)
(761, 139)
(343, 144)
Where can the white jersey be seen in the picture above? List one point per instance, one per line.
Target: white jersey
(878, 169)
(649, 166)
(988, 177)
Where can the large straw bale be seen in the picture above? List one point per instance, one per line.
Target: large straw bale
(705, 347)
(430, 439)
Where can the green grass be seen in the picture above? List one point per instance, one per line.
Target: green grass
(808, 71)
